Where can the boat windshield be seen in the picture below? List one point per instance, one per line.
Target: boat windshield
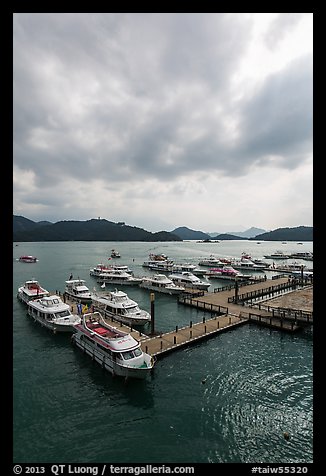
(62, 313)
(131, 354)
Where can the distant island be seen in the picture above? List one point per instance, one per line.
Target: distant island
(300, 233)
(25, 230)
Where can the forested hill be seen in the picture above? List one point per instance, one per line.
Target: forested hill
(299, 233)
(90, 230)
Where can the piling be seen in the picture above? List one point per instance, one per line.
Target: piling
(152, 313)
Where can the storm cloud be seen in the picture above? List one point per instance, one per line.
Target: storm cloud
(133, 107)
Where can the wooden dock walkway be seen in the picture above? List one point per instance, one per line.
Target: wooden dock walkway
(237, 305)
(161, 344)
(226, 314)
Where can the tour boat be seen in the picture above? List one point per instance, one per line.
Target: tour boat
(115, 350)
(118, 305)
(189, 280)
(247, 263)
(102, 269)
(306, 255)
(28, 259)
(158, 262)
(192, 268)
(225, 272)
(117, 276)
(211, 261)
(31, 290)
(277, 255)
(53, 313)
(160, 283)
(77, 290)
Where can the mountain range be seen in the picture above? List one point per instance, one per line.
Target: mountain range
(104, 230)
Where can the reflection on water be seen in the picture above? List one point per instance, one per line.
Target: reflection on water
(228, 399)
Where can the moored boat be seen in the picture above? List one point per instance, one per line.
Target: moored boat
(162, 284)
(118, 276)
(225, 272)
(277, 255)
(189, 280)
(211, 261)
(77, 290)
(31, 290)
(121, 307)
(102, 269)
(158, 262)
(52, 313)
(115, 350)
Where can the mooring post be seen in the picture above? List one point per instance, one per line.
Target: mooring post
(236, 290)
(152, 313)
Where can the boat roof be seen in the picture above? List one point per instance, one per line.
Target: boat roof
(50, 302)
(75, 281)
(81, 288)
(105, 334)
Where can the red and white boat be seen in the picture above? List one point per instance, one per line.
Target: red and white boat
(115, 350)
(31, 290)
(28, 259)
(225, 272)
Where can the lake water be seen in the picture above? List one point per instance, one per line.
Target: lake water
(258, 383)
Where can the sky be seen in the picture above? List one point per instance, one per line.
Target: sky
(163, 120)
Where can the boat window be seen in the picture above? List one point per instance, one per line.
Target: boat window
(138, 352)
(127, 355)
(63, 313)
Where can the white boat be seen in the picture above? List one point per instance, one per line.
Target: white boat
(102, 269)
(115, 254)
(302, 273)
(162, 284)
(159, 262)
(52, 313)
(211, 261)
(115, 350)
(306, 255)
(179, 267)
(77, 290)
(118, 305)
(189, 280)
(31, 290)
(117, 276)
(277, 255)
(248, 264)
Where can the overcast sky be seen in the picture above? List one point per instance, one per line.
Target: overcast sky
(162, 120)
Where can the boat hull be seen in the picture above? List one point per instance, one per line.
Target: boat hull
(190, 285)
(131, 282)
(129, 321)
(108, 364)
(53, 326)
(161, 289)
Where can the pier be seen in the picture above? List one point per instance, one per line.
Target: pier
(254, 302)
(229, 308)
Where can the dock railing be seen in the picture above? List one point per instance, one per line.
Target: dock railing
(206, 306)
(258, 293)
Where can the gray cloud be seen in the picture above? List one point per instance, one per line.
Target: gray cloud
(121, 98)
